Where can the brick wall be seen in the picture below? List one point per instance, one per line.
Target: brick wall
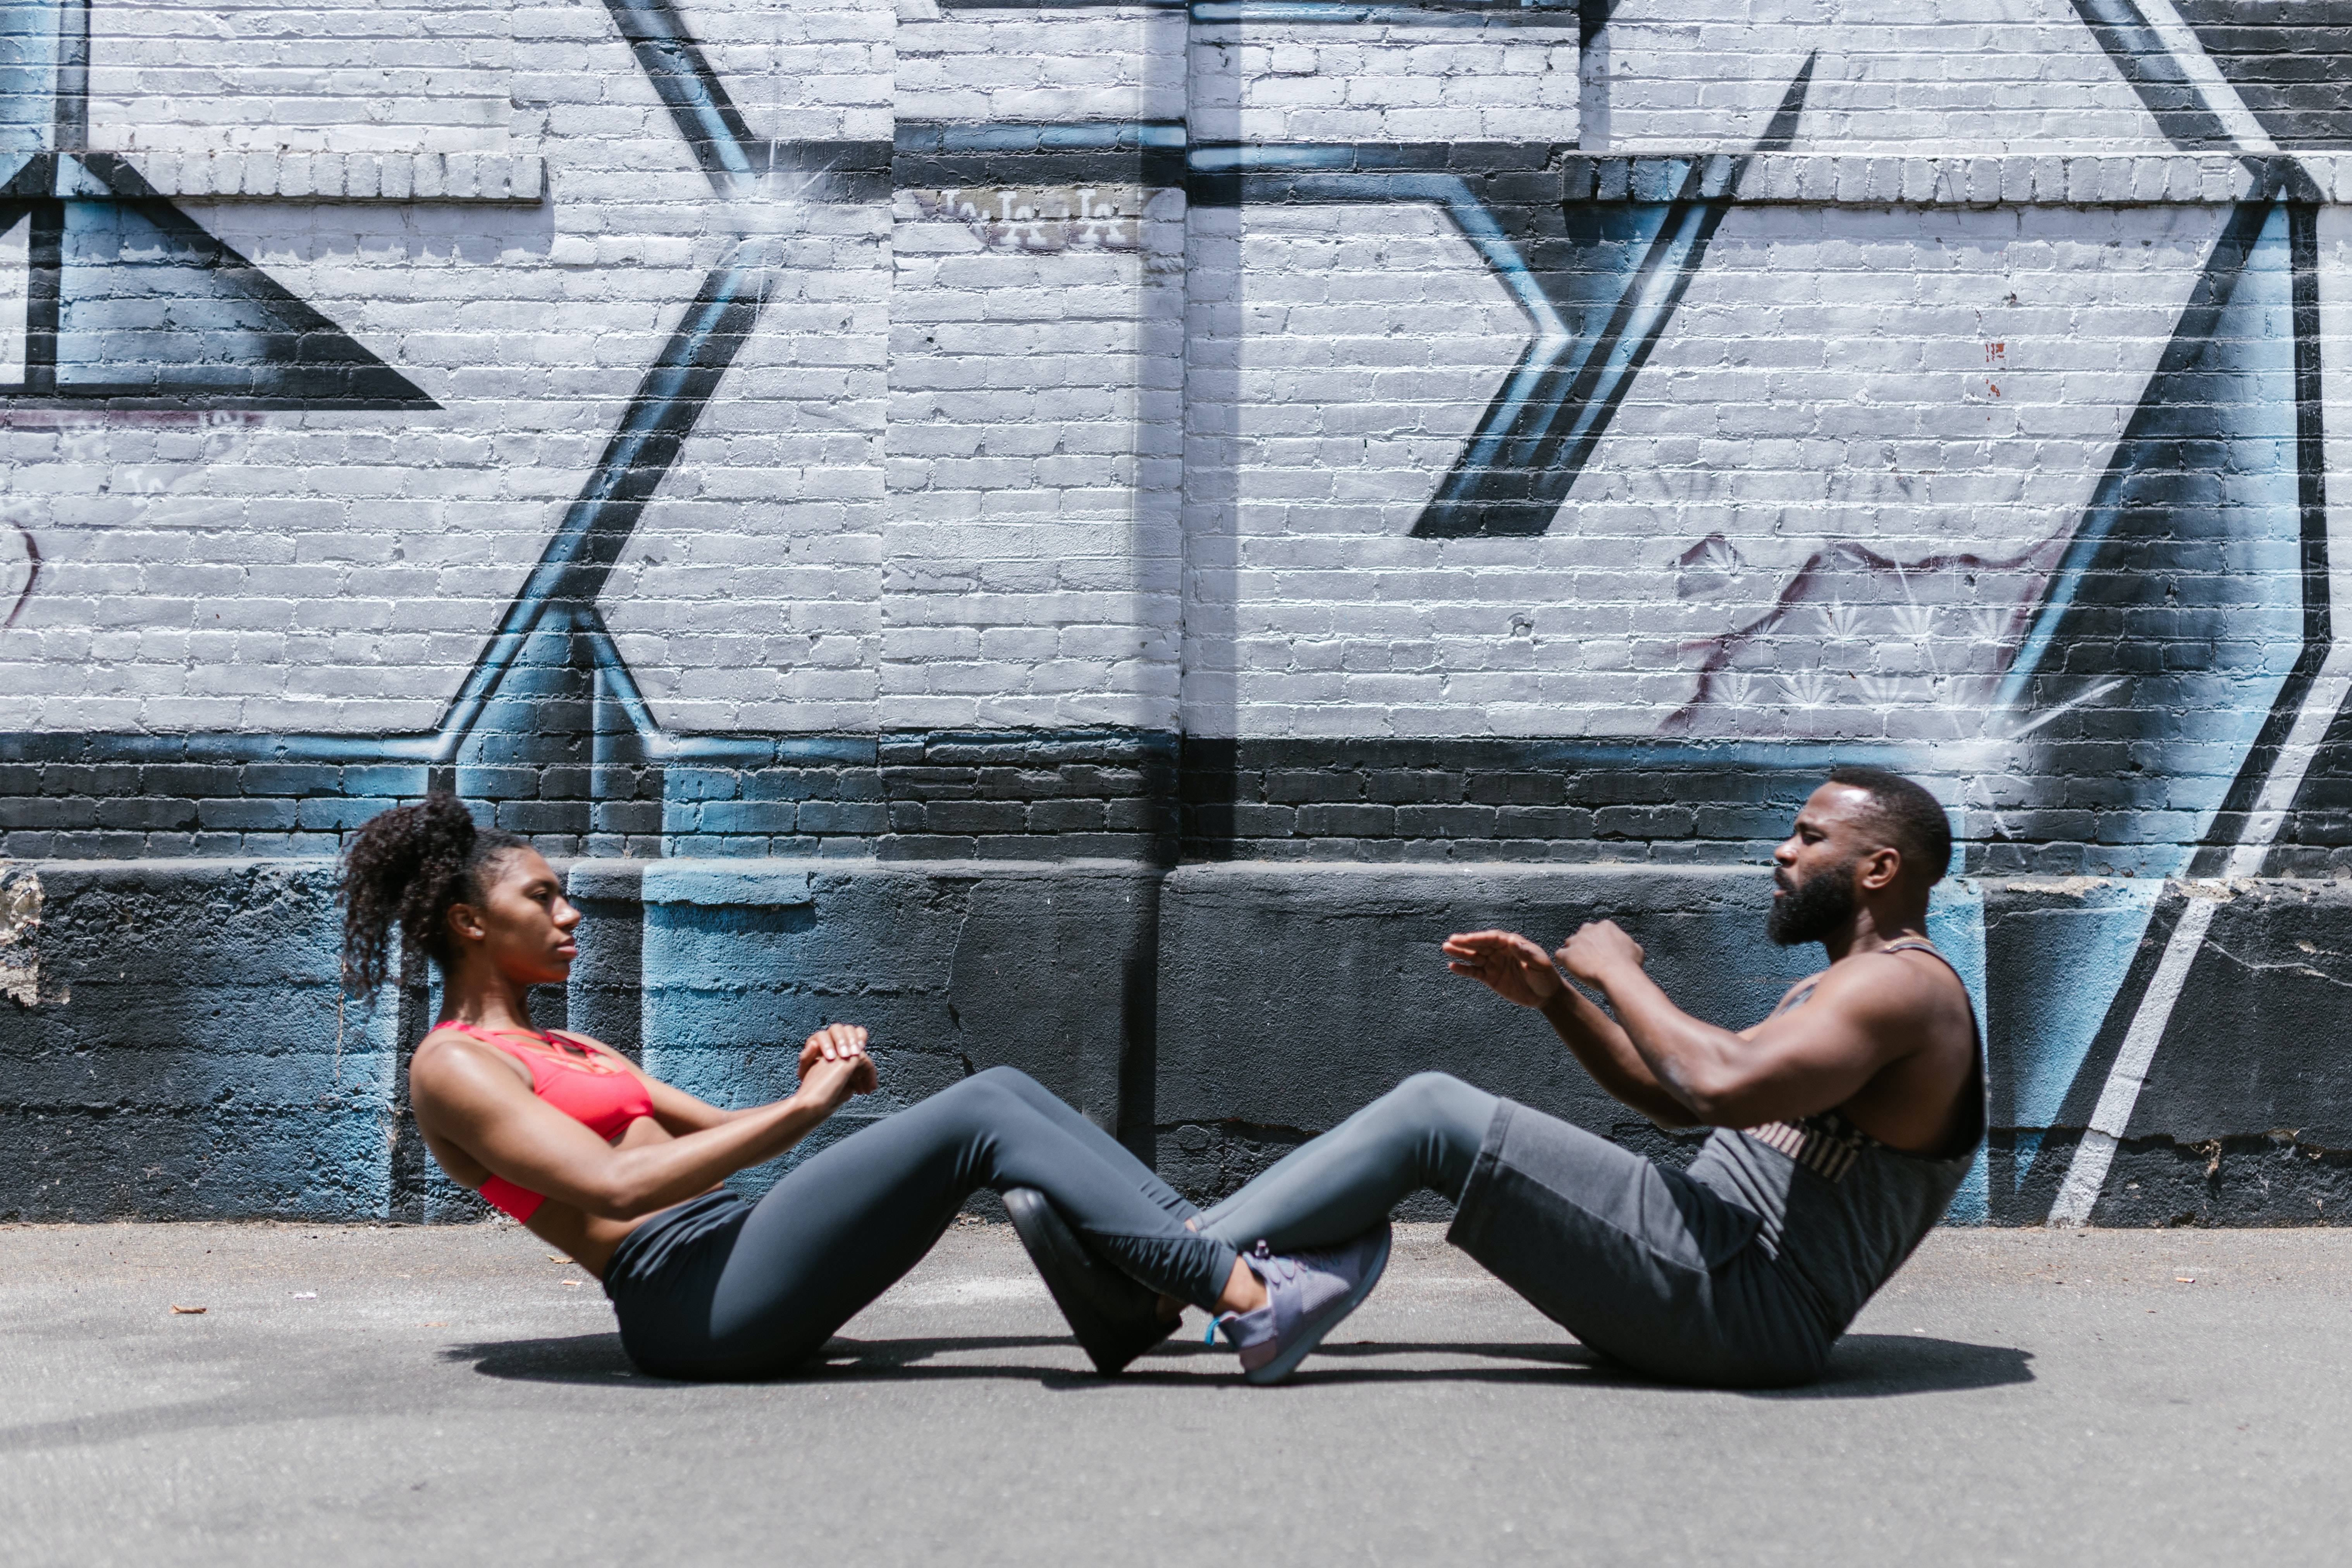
(1180, 434)
(1294, 378)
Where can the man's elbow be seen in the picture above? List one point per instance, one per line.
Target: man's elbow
(1666, 1110)
(1721, 1099)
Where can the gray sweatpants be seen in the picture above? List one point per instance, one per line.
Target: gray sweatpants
(1645, 1265)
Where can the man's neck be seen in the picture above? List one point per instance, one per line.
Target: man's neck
(1874, 928)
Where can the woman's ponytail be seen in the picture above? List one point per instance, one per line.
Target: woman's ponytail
(405, 867)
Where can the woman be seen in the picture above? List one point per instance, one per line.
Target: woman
(622, 1170)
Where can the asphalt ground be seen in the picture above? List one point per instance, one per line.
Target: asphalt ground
(400, 1395)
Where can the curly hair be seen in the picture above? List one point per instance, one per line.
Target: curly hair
(407, 867)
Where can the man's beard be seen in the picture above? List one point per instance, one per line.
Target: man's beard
(1814, 909)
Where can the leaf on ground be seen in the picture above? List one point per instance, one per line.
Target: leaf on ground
(189, 1311)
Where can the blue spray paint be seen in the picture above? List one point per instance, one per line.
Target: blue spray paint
(2194, 541)
(128, 301)
(1956, 925)
(1557, 403)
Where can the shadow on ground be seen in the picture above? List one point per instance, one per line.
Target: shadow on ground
(1863, 1366)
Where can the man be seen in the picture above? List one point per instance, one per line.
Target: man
(1846, 1121)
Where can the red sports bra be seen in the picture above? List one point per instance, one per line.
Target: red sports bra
(585, 1087)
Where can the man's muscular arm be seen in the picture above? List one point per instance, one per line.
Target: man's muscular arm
(1793, 1064)
(1519, 971)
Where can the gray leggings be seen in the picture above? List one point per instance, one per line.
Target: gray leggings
(720, 1286)
(1425, 1132)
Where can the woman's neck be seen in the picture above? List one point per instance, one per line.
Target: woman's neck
(488, 1000)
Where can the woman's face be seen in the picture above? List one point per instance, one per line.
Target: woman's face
(523, 925)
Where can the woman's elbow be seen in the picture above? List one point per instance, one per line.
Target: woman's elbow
(619, 1198)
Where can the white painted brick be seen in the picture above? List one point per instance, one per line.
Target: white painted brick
(1164, 476)
(309, 75)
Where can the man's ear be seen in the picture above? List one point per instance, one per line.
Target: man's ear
(1880, 869)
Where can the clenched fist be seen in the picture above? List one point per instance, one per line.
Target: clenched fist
(833, 1064)
(1597, 947)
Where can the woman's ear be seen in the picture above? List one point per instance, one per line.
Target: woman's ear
(465, 924)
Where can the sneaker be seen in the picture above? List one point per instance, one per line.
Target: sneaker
(1307, 1294)
(1114, 1318)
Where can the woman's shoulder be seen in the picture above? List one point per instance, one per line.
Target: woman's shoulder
(452, 1049)
(449, 1033)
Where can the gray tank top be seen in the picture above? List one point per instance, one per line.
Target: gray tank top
(1835, 1204)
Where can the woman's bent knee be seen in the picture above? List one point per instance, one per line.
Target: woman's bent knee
(967, 1108)
(1010, 1079)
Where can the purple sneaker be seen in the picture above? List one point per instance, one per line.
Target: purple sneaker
(1307, 1294)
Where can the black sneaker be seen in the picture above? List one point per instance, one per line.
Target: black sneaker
(1114, 1318)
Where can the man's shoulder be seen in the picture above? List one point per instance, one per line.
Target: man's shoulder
(1906, 980)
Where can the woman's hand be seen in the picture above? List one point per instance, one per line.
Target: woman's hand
(834, 1042)
(1512, 967)
(834, 1065)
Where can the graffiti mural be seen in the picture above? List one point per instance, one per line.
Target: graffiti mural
(1227, 431)
(124, 298)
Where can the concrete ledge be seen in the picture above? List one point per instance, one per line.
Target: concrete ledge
(1907, 178)
(344, 176)
(1291, 995)
(1897, 178)
(755, 882)
(188, 1055)
(173, 1045)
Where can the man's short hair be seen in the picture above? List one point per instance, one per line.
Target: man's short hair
(1909, 816)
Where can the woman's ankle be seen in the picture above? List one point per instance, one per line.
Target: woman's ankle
(1244, 1292)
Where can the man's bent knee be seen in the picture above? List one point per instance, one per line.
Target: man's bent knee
(1427, 1084)
(1432, 1098)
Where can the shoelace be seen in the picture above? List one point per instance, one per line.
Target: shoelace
(1273, 1265)
(1270, 1266)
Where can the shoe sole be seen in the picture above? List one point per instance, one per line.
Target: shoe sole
(1060, 1259)
(1283, 1365)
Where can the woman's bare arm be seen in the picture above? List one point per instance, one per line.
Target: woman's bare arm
(468, 1095)
(677, 1112)
(680, 1112)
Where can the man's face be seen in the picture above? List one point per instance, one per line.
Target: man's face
(1813, 870)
